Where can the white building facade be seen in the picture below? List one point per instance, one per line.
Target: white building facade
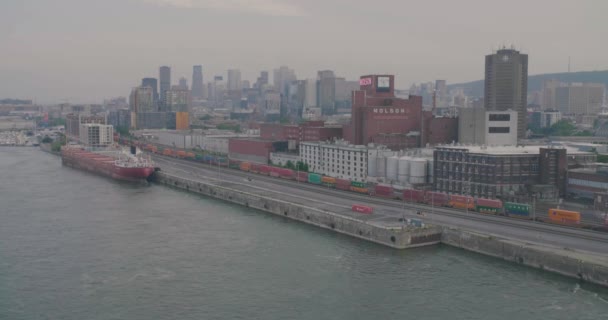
(96, 135)
(338, 160)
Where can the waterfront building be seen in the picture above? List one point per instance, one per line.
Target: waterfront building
(506, 85)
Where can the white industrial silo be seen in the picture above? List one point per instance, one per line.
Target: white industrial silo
(392, 165)
(417, 170)
(381, 166)
(372, 164)
(403, 172)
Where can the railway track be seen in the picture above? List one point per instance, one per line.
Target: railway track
(397, 204)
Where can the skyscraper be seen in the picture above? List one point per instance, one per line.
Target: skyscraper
(165, 82)
(326, 92)
(183, 83)
(506, 85)
(234, 80)
(152, 83)
(197, 82)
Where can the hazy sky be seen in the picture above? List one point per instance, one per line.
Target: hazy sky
(86, 50)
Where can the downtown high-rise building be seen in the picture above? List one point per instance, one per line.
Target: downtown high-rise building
(506, 85)
(197, 82)
(326, 92)
(283, 76)
(183, 83)
(234, 80)
(152, 83)
(165, 82)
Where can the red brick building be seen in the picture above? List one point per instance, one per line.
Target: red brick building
(439, 130)
(254, 150)
(380, 117)
(308, 131)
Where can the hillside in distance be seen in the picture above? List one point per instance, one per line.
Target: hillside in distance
(535, 82)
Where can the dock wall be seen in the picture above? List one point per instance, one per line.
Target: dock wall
(398, 236)
(558, 260)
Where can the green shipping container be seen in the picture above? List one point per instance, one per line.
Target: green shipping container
(358, 184)
(484, 209)
(519, 209)
(314, 178)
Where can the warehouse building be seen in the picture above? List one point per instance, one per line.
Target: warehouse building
(504, 171)
(337, 159)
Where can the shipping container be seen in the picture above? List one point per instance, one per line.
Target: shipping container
(362, 209)
(286, 174)
(383, 190)
(221, 161)
(265, 170)
(359, 190)
(255, 168)
(274, 174)
(564, 216)
(234, 164)
(358, 184)
(154, 149)
(488, 206)
(517, 209)
(328, 180)
(198, 157)
(302, 176)
(342, 184)
(411, 195)
(181, 154)
(314, 178)
(168, 152)
(245, 166)
(436, 199)
(190, 155)
(462, 202)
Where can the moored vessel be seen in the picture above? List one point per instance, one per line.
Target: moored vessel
(116, 163)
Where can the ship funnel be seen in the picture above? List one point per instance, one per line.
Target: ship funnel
(133, 150)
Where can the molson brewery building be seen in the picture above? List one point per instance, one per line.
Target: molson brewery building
(379, 117)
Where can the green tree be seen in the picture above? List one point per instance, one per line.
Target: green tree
(47, 139)
(289, 165)
(205, 117)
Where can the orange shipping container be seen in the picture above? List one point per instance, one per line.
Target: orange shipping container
(245, 166)
(330, 180)
(181, 154)
(564, 216)
(168, 152)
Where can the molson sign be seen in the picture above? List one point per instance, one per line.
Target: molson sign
(365, 81)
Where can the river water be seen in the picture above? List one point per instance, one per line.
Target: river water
(77, 246)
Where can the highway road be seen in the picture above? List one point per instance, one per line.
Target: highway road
(391, 210)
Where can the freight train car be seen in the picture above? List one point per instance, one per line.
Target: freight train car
(564, 216)
(517, 210)
(384, 191)
(489, 206)
(328, 181)
(343, 184)
(461, 202)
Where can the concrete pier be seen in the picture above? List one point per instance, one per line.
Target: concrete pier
(581, 265)
(394, 234)
(385, 229)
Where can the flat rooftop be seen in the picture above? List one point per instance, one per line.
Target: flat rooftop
(510, 150)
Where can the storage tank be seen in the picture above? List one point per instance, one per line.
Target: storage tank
(381, 167)
(392, 165)
(403, 172)
(417, 170)
(371, 165)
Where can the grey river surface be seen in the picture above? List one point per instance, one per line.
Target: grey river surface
(77, 246)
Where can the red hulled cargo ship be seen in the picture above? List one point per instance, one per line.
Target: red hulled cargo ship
(116, 164)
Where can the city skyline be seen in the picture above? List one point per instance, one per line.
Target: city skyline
(50, 60)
